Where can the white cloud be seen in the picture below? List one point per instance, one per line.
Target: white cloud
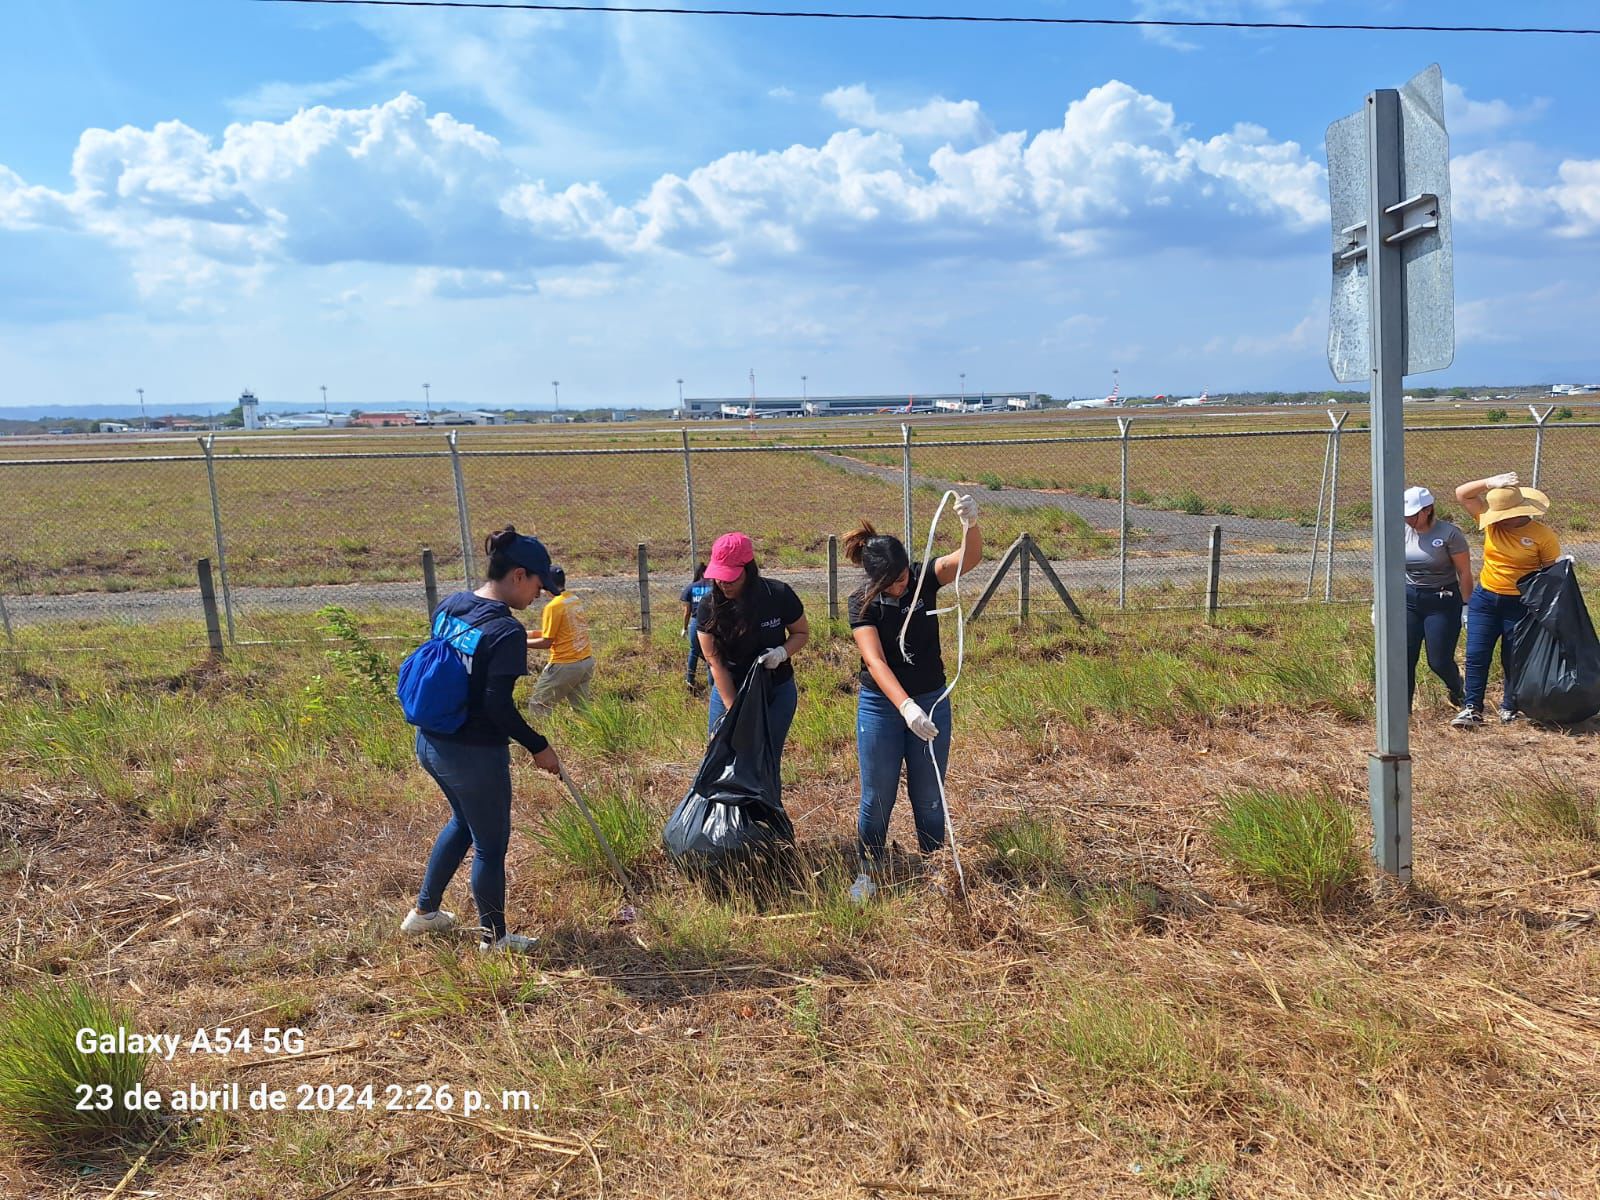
(1214, 10)
(394, 184)
(1309, 333)
(1510, 187)
(1466, 117)
(937, 120)
(781, 93)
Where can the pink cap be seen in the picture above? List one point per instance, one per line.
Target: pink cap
(729, 554)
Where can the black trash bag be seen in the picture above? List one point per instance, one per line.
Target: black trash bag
(1553, 656)
(731, 825)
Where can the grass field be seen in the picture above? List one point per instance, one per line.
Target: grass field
(308, 519)
(1174, 978)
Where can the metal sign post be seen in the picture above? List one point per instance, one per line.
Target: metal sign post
(1393, 314)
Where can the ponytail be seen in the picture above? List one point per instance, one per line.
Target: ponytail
(882, 556)
(494, 549)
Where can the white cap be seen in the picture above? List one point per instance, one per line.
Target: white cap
(1417, 499)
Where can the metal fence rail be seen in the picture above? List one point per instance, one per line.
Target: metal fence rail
(1126, 519)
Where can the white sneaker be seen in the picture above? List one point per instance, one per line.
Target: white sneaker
(437, 921)
(863, 889)
(511, 943)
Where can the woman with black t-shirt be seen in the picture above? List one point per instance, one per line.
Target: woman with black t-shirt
(745, 620)
(893, 721)
(472, 766)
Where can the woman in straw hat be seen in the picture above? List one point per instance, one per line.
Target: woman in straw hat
(1515, 542)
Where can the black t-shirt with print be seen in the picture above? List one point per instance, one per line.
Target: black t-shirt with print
(502, 650)
(925, 671)
(773, 608)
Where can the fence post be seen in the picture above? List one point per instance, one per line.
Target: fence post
(430, 582)
(1316, 526)
(5, 619)
(833, 577)
(1213, 572)
(644, 593)
(688, 495)
(1024, 562)
(1124, 425)
(468, 568)
(1538, 439)
(216, 530)
(1333, 503)
(208, 601)
(905, 478)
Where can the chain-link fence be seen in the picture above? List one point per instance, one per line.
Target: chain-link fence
(1133, 517)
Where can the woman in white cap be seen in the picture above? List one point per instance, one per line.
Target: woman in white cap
(1515, 542)
(1438, 579)
(746, 619)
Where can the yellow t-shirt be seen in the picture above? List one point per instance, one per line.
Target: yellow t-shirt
(1509, 554)
(563, 623)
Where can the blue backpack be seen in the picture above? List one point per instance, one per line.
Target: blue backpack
(433, 677)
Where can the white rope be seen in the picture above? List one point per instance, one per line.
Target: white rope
(961, 654)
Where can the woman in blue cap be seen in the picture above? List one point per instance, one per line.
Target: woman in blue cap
(472, 766)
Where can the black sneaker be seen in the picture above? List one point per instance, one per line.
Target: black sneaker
(1468, 718)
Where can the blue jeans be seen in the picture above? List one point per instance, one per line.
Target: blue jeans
(781, 703)
(476, 780)
(695, 657)
(1491, 618)
(883, 745)
(1433, 617)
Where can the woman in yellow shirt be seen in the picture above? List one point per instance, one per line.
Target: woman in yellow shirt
(1515, 542)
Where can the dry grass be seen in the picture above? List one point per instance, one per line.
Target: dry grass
(292, 521)
(1123, 1018)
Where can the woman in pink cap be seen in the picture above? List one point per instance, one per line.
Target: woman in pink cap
(745, 620)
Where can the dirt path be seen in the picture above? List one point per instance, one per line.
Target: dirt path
(1161, 529)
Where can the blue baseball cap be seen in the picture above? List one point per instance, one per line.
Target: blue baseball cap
(529, 554)
(555, 580)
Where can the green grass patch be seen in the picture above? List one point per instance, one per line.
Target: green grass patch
(1302, 844)
(1554, 809)
(628, 825)
(54, 1096)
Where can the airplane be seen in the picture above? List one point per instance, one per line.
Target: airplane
(1112, 401)
(1192, 401)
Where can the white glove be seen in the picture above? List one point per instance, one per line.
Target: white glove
(774, 658)
(967, 510)
(919, 722)
(1508, 479)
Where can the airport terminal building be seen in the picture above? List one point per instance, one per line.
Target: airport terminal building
(702, 408)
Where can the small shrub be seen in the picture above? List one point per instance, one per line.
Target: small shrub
(1495, 415)
(41, 1070)
(629, 826)
(357, 659)
(1188, 501)
(1563, 413)
(1555, 810)
(991, 481)
(1302, 844)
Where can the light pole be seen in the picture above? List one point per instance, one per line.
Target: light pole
(143, 423)
(555, 386)
(963, 389)
(324, 399)
(804, 392)
(427, 402)
(680, 395)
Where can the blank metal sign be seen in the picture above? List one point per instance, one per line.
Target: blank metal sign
(1427, 259)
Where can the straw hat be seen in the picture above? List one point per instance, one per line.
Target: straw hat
(1507, 502)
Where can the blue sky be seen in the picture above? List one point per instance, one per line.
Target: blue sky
(202, 195)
